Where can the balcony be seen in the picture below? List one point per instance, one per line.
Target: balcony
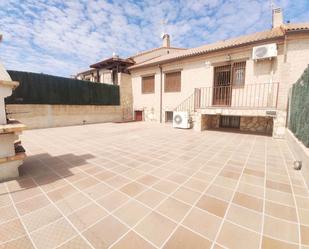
(248, 96)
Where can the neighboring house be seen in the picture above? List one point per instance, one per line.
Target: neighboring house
(106, 71)
(240, 83)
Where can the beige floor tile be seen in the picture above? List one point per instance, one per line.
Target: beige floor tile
(155, 228)
(302, 202)
(76, 243)
(225, 182)
(212, 205)
(248, 201)
(185, 239)
(278, 186)
(21, 195)
(41, 217)
(11, 230)
(20, 243)
(132, 212)
(7, 213)
(113, 200)
(249, 189)
(304, 231)
(105, 233)
(173, 209)
(280, 229)
(151, 198)
(245, 217)
(280, 211)
(196, 185)
(166, 187)
(177, 178)
(269, 243)
(203, 222)
(148, 180)
(32, 204)
(53, 235)
(5, 200)
(98, 191)
(303, 216)
(71, 203)
(254, 180)
(235, 237)
(132, 189)
(258, 173)
(147, 152)
(203, 176)
(280, 197)
(230, 174)
(103, 176)
(301, 191)
(216, 246)
(186, 195)
(61, 193)
(86, 183)
(219, 192)
(132, 241)
(87, 216)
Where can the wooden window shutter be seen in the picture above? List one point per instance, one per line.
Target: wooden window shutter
(148, 85)
(172, 82)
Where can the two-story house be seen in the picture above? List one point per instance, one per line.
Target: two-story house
(240, 83)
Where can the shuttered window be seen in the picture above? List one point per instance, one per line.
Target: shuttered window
(148, 84)
(239, 72)
(172, 82)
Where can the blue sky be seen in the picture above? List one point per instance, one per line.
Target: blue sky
(62, 37)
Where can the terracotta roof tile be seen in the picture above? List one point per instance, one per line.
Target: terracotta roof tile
(242, 40)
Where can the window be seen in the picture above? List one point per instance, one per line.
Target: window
(148, 84)
(239, 72)
(168, 116)
(172, 82)
(230, 122)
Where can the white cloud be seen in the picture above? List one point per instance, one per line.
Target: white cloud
(63, 37)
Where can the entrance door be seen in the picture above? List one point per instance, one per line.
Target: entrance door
(138, 115)
(222, 93)
(168, 117)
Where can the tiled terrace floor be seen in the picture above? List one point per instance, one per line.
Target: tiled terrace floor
(142, 186)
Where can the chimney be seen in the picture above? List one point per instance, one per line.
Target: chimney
(166, 40)
(277, 17)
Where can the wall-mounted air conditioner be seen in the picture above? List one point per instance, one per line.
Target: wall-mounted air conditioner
(181, 120)
(264, 51)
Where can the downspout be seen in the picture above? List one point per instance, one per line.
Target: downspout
(161, 84)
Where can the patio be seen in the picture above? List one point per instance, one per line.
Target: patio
(145, 185)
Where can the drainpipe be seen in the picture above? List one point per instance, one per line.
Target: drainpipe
(161, 83)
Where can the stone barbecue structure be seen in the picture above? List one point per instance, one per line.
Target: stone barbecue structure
(12, 153)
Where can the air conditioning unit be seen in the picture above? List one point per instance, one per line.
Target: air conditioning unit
(181, 120)
(264, 51)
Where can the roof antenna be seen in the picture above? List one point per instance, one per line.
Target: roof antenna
(271, 6)
(163, 26)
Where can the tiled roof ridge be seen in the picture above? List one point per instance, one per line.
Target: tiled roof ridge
(154, 49)
(232, 42)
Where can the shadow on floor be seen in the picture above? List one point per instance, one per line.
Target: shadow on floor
(46, 170)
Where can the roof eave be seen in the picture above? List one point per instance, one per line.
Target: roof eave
(201, 53)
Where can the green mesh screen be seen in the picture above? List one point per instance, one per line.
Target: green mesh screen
(299, 112)
(46, 89)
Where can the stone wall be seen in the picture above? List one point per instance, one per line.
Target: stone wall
(45, 116)
(257, 124)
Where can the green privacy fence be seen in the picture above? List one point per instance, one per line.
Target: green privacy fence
(299, 108)
(47, 89)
